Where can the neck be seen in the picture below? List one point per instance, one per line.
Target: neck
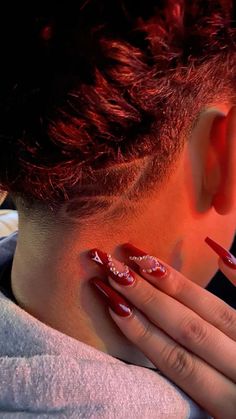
(50, 276)
(50, 280)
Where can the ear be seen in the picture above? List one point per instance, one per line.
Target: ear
(220, 167)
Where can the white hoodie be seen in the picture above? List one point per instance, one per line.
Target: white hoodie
(45, 373)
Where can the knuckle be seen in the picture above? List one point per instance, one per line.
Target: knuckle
(180, 361)
(176, 284)
(194, 331)
(144, 334)
(149, 299)
(226, 319)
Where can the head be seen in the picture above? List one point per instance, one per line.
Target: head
(121, 114)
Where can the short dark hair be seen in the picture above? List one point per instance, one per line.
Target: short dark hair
(98, 97)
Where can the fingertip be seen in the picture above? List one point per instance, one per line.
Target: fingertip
(229, 273)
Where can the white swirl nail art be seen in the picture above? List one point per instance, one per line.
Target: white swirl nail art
(118, 268)
(148, 263)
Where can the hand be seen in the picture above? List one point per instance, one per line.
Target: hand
(187, 333)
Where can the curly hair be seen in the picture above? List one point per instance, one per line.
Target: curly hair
(97, 97)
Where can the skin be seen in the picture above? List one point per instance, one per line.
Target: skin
(187, 332)
(51, 269)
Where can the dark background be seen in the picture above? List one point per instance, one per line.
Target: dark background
(219, 285)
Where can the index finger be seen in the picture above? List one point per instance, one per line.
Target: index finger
(198, 299)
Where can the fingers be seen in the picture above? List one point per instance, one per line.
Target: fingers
(183, 345)
(182, 324)
(204, 384)
(199, 300)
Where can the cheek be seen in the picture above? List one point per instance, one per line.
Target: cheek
(201, 267)
(200, 262)
(226, 233)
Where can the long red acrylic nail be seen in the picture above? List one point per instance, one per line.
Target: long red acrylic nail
(147, 263)
(112, 267)
(226, 256)
(115, 301)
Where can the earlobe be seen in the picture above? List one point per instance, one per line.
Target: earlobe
(225, 148)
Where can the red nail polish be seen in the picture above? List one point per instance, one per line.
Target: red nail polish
(132, 250)
(115, 301)
(112, 267)
(148, 264)
(226, 256)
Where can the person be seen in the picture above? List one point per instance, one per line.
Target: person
(117, 125)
